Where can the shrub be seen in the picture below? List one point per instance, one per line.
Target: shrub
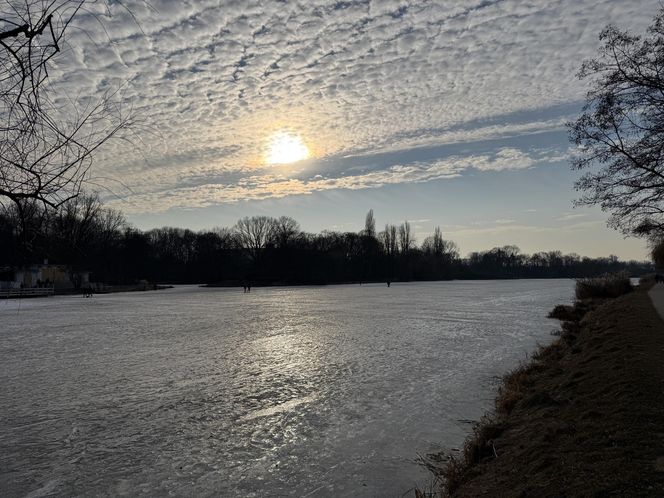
(657, 252)
(608, 285)
(563, 312)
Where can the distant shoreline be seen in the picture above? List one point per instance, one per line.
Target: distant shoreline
(582, 418)
(230, 284)
(112, 289)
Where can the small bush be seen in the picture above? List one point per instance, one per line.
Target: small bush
(605, 286)
(576, 312)
(563, 312)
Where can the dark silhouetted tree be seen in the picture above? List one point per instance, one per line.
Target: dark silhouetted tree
(406, 239)
(657, 252)
(370, 224)
(620, 134)
(254, 233)
(284, 230)
(445, 251)
(389, 240)
(434, 243)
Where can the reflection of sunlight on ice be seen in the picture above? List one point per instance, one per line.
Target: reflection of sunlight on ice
(283, 363)
(283, 407)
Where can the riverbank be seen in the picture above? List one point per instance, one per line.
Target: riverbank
(584, 418)
(140, 287)
(35, 292)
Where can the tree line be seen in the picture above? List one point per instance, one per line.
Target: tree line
(85, 235)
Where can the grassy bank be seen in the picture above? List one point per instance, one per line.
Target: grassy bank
(585, 417)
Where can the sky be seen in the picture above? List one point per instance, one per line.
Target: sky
(444, 113)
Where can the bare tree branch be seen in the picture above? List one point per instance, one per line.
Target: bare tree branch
(46, 148)
(620, 134)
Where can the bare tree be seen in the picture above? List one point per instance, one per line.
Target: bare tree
(406, 239)
(446, 250)
(76, 220)
(111, 222)
(46, 143)
(434, 244)
(620, 134)
(254, 233)
(450, 251)
(284, 230)
(370, 224)
(389, 240)
(227, 238)
(29, 220)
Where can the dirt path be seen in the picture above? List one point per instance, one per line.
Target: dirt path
(590, 421)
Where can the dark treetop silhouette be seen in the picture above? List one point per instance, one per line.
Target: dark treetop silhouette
(263, 250)
(620, 134)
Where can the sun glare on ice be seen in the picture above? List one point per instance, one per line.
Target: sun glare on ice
(286, 148)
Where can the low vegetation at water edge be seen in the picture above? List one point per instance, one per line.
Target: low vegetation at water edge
(605, 286)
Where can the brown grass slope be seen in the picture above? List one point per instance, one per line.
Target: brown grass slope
(584, 418)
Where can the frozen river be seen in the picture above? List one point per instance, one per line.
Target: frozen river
(308, 391)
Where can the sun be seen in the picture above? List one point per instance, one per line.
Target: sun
(285, 147)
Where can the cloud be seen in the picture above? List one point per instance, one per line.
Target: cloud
(497, 229)
(273, 185)
(571, 216)
(507, 158)
(210, 81)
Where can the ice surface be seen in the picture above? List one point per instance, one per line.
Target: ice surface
(308, 391)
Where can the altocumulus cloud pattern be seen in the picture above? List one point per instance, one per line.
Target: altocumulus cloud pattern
(359, 81)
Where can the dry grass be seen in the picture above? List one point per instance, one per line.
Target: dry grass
(515, 383)
(479, 446)
(606, 286)
(432, 490)
(454, 474)
(550, 353)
